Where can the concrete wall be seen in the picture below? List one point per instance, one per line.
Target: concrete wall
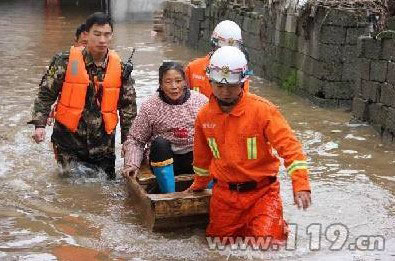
(375, 85)
(313, 54)
(134, 9)
(321, 54)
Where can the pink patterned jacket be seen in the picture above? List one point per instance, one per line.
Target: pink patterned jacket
(157, 118)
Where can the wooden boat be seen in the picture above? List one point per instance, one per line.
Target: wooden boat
(166, 212)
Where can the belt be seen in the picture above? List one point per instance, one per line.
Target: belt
(245, 186)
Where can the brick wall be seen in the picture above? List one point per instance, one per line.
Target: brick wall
(313, 55)
(374, 99)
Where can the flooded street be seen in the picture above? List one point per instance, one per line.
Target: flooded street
(45, 217)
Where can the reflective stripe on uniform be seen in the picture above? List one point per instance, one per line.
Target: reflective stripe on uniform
(297, 164)
(213, 146)
(251, 148)
(201, 172)
(162, 163)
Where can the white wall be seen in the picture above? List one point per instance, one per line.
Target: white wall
(123, 9)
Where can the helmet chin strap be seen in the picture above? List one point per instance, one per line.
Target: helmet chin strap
(225, 103)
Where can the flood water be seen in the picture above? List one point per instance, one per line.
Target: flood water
(45, 217)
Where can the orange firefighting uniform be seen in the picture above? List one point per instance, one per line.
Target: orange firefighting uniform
(236, 147)
(72, 99)
(197, 79)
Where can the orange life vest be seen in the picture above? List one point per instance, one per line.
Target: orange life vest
(196, 76)
(72, 99)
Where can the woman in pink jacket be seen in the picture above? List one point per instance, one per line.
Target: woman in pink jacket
(163, 130)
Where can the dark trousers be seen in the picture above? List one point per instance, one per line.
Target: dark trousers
(161, 151)
(106, 163)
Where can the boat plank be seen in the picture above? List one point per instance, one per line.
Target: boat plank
(161, 212)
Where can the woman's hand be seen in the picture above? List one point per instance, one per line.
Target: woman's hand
(129, 171)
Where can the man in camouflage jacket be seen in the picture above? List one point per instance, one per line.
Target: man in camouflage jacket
(90, 143)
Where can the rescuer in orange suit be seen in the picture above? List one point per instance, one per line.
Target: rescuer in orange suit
(235, 134)
(226, 33)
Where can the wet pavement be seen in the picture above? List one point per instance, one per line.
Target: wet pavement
(45, 217)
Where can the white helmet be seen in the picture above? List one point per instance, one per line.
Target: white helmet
(228, 65)
(226, 33)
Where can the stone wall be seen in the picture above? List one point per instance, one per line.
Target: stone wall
(312, 52)
(375, 85)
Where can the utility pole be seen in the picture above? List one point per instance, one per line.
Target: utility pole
(108, 7)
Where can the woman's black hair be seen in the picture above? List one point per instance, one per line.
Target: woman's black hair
(98, 18)
(166, 66)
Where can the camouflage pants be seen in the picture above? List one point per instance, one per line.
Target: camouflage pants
(77, 165)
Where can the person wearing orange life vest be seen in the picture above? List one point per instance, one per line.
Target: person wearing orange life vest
(80, 39)
(226, 33)
(92, 87)
(235, 134)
